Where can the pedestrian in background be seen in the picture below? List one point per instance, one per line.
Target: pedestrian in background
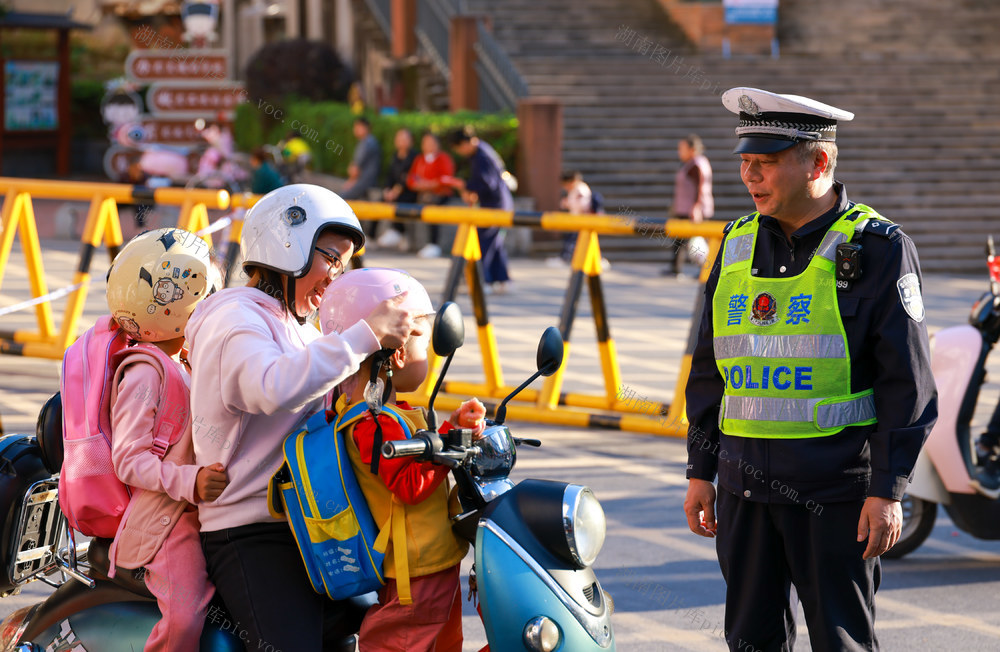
(263, 178)
(396, 190)
(692, 193)
(429, 168)
(810, 391)
(487, 188)
(579, 200)
(366, 163)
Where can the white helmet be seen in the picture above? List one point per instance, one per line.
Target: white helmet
(156, 280)
(280, 230)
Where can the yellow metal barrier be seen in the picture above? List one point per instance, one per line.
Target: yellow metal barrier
(550, 405)
(102, 226)
(547, 405)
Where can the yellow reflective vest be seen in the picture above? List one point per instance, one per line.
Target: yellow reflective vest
(780, 343)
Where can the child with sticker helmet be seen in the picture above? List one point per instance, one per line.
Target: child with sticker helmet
(430, 579)
(258, 372)
(154, 284)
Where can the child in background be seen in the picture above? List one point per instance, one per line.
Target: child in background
(429, 572)
(153, 286)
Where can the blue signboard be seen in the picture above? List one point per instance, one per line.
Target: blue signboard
(30, 95)
(757, 12)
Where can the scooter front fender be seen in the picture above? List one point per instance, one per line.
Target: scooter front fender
(926, 483)
(514, 589)
(954, 354)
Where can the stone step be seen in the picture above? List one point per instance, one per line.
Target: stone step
(870, 145)
(739, 200)
(648, 98)
(665, 176)
(575, 157)
(717, 132)
(923, 149)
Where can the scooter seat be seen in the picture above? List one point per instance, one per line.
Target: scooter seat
(100, 564)
(49, 433)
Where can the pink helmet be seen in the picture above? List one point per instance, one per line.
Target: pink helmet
(354, 294)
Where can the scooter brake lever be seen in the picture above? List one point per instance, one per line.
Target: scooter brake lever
(527, 442)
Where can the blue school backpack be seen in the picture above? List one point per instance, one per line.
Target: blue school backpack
(317, 492)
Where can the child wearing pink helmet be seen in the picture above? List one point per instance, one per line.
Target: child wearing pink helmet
(420, 606)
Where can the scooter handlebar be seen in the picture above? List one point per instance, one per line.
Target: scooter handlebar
(405, 448)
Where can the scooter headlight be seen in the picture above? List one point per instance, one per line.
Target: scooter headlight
(584, 523)
(541, 634)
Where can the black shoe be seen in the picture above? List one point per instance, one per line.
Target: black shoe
(987, 479)
(986, 449)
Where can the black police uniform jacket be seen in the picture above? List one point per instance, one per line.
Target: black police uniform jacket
(888, 352)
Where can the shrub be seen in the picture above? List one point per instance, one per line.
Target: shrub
(328, 128)
(85, 108)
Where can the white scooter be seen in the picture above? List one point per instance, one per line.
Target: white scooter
(945, 473)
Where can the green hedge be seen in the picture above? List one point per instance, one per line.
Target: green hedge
(85, 108)
(328, 128)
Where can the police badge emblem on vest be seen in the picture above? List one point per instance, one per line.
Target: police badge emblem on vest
(909, 294)
(764, 310)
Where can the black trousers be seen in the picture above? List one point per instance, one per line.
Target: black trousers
(774, 555)
(258, 573)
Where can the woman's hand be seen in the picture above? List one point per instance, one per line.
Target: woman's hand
(210, 483)
(391, 323)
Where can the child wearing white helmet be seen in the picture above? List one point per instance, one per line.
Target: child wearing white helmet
(258, 372)
(425, 572)
(154, 284)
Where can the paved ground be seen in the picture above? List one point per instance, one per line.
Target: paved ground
(666, 581)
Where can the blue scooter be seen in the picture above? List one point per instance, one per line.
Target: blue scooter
(87, 611)
(535, 541)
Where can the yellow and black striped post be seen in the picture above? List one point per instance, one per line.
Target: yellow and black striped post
(586, 266)
(102, 226)
(466, 260)
(18, 217)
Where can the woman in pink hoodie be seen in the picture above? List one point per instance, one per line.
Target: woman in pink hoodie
(153, 286)
(258, 372)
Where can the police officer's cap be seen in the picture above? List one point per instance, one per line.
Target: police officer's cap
(770, 122)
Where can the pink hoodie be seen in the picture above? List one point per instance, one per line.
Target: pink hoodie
(257, 375)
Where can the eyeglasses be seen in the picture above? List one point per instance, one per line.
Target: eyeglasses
(336, 264)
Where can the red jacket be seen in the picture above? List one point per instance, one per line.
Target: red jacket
(442, 165)
(411, 481)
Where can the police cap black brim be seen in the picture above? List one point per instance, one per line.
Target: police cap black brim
(761, 145)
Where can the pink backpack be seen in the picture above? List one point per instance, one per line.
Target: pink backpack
(90, 494)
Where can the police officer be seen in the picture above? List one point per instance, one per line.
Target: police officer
(810, 392)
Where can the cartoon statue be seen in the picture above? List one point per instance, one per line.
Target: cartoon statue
(201, 17)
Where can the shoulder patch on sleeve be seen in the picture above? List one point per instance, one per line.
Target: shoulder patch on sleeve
(884, 228)
(909, 295)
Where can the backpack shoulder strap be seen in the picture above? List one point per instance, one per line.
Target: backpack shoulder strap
(172, 404)
(359, 410)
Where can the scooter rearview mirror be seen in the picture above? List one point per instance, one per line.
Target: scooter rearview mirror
(449, 330)
(548, 359)
(447, 335)
(550, 351)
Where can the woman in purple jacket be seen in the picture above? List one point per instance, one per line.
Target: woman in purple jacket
(258, 372)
